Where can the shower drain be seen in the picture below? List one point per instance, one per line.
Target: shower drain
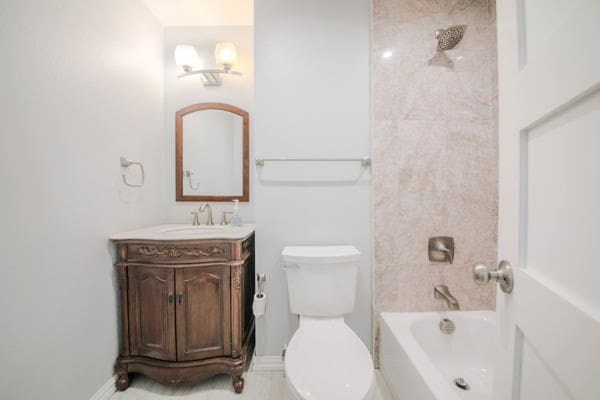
(461, 384)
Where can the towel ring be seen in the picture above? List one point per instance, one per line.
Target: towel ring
(125, 163)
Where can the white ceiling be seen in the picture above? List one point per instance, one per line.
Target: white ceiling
(202, 12)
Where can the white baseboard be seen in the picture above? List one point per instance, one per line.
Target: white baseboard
(107, 390)
(267, 363)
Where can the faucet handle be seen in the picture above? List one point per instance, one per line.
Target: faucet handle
(195, 218)
(441, 249)
(224, 220)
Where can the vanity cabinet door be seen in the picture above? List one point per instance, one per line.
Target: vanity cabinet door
(152, 312)
(203, 312)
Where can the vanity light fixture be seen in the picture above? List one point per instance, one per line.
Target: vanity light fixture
(187, 59)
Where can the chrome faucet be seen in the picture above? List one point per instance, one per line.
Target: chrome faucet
(206, 207)
(442, 292)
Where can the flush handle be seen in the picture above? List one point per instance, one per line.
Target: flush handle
(503, 275)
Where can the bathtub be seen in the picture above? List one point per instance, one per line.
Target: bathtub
(419, 362)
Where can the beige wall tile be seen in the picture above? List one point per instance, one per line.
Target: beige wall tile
(434, 151)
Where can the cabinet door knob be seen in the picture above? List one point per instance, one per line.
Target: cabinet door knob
(170, 298)
(179, 297)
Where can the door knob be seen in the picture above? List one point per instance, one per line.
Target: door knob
(503, 275)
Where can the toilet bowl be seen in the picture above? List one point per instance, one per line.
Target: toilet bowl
(325, 359)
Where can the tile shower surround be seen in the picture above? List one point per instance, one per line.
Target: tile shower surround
(434, 151)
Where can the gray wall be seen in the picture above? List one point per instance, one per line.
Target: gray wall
(311, 99)
(81, 85)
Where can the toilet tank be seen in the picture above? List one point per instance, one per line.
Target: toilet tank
(321, 280)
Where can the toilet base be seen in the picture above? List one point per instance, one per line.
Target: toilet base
(296, 396)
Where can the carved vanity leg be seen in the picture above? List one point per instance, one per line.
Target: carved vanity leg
(238, 383)
(122, 382)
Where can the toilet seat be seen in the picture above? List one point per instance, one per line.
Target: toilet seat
(326, 360)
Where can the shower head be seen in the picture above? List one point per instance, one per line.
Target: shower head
(450, 37)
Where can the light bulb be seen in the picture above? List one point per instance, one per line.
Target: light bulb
(225, 54)
(186, 56)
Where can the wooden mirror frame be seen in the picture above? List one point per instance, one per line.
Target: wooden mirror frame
(179, 196)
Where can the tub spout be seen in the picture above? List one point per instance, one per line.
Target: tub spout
(442, 292)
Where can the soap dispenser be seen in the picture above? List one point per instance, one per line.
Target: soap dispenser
(236, 219)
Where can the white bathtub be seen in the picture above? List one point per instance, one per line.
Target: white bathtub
(419, 362)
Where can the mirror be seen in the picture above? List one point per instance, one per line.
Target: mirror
(211, 144)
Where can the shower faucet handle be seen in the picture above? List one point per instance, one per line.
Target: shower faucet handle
(503, 275)
(441, 249)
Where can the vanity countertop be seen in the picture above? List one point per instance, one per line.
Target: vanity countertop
(186, 232)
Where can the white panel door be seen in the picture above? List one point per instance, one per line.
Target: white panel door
(549, 217)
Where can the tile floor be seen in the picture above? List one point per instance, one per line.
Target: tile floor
(258, 386)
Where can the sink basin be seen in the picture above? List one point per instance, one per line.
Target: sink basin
(187, 232)
(195, 230)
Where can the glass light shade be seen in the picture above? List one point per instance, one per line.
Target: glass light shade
(186, 56)
(225, 53)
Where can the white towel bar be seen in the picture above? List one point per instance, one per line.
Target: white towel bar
(364, 161)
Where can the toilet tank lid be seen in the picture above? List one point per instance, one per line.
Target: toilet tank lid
(320, 254)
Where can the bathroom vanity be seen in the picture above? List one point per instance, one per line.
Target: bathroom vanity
(186, 302)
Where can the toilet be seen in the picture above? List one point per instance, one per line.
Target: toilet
(325, 359)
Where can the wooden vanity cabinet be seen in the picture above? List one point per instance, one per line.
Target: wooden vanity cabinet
(186, 309)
